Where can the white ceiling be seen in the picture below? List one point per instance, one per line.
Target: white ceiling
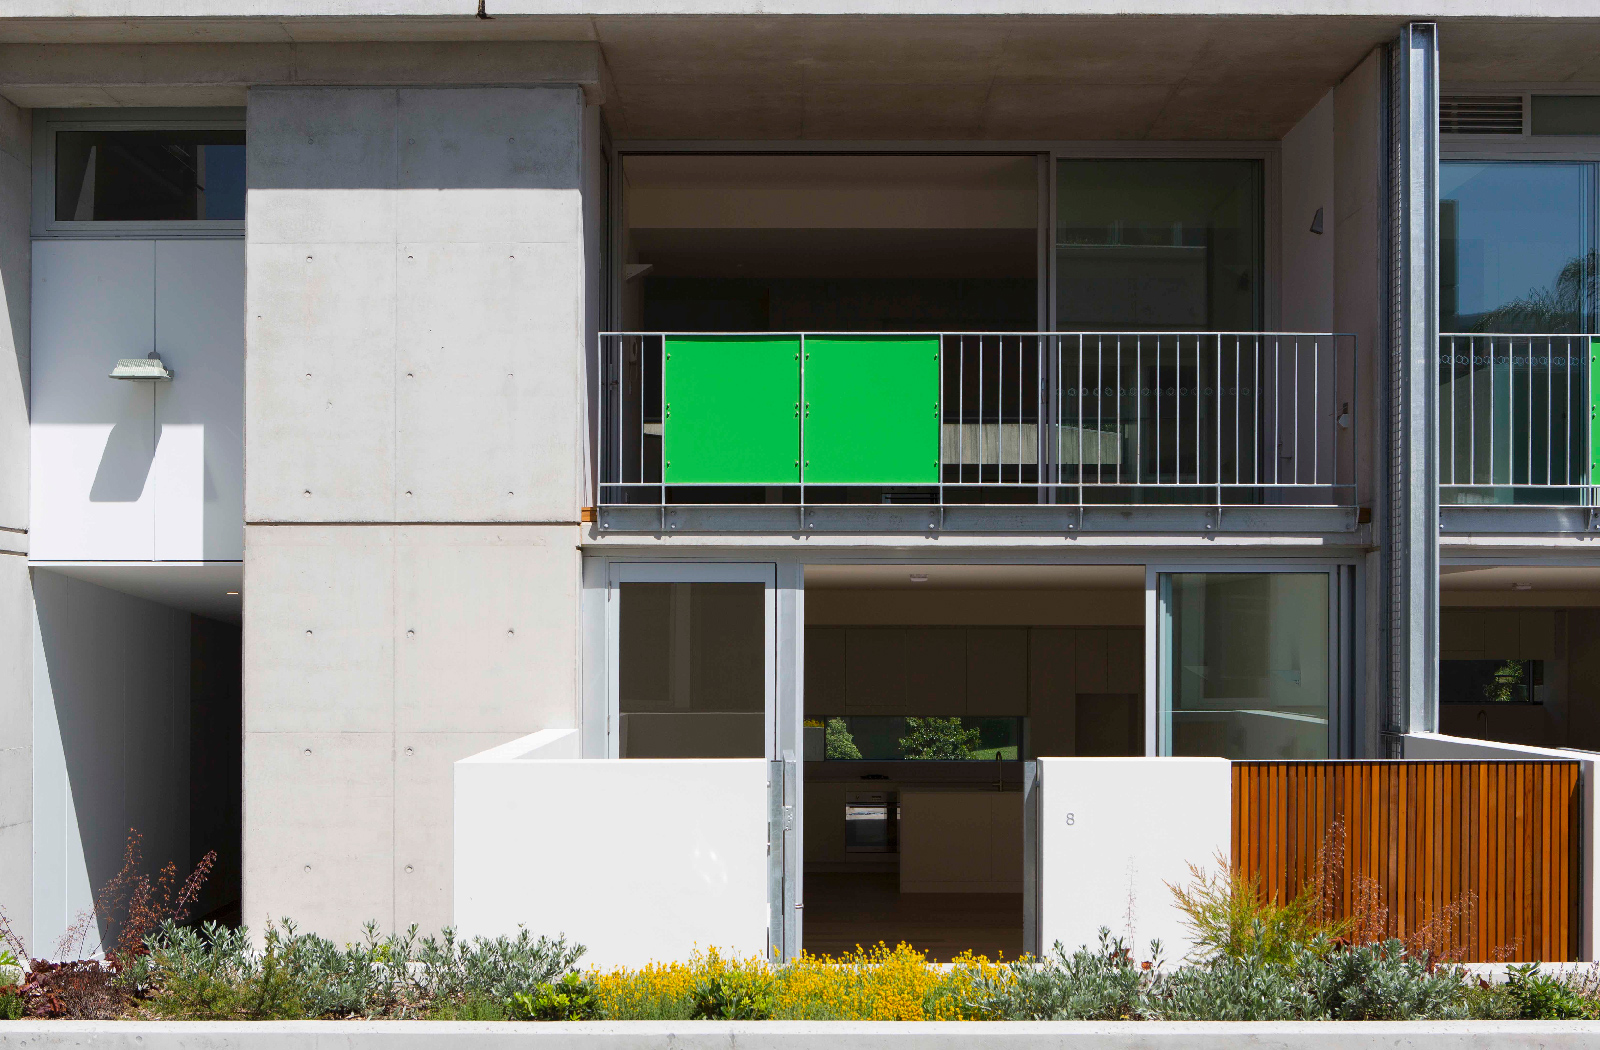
(199, 589)
(975, 577)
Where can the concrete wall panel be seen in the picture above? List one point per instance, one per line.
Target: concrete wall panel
(443, 309)
(313, 138)
(319, 630)
(485, 619)
(319, 830)
(488, 403)
(429, 643)
(319, 382)
(424, 874)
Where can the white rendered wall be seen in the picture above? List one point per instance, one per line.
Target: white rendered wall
(111, 742)
(1114, 833)
(414, 406)
(16, 595)
(1307, 167)
(1438, 747)
(126, 471)
(638, 859)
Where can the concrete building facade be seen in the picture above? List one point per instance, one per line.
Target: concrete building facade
(1105, 346)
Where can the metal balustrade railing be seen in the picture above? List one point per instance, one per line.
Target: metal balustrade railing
(1210, 418)
(1516, 419)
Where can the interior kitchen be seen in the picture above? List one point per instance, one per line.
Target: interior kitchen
(926, 688)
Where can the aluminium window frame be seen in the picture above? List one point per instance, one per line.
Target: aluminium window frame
(1535, 149)
(1344, 599)
(48, 122)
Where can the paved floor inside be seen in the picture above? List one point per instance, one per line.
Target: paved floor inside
(846, 910)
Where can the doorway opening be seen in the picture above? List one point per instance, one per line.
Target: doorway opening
(927, 688)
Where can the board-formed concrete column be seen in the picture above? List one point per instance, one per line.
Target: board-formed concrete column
(413, 425)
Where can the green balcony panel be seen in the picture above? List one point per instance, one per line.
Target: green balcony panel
(1594, 411)
(872, 410)
(732, 410)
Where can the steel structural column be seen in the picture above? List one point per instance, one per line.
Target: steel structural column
(1412, 529)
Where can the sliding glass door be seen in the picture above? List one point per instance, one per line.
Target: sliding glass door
(1247, 664)
(694, 664)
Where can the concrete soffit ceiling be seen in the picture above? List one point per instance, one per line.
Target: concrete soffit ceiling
(907, 77)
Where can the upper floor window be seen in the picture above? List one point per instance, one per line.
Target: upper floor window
(1517, 246)
(149, 175)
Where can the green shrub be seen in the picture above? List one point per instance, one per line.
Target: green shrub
(1540, 996)
(938, 738)
(572, 998)
(11, 977)
(473, 1008)
(1100, 984)
(736, 993)
(1380, 982)
(1250, 987)
(1228, 915)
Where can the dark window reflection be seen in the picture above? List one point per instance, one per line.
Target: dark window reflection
(149, 176)
(1158, 245)
(1516, 247)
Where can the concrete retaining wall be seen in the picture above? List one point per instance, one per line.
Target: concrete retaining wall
(801, 1035)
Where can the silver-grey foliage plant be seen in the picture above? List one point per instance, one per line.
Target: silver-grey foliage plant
(216, 972)
(1320, 981)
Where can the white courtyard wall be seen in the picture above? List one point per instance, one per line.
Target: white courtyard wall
(1115, 834)
(638, 860)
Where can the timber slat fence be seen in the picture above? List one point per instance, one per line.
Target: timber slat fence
(1488, 849)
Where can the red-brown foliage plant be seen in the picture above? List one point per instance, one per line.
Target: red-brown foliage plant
(131, 903)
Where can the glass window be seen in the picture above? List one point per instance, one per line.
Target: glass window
(1491, 681)
(1246, 665)
(892, 738)
(1158, 245)
(1516, 247)
(149, 176)
(692, 670)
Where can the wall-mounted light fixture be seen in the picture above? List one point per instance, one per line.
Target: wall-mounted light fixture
(148, 369)
(1316, 222)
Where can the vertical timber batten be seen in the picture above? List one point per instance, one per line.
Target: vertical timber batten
(1412, 533)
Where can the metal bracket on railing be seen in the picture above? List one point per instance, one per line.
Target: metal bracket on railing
(1075, 523)
(1594, 519)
